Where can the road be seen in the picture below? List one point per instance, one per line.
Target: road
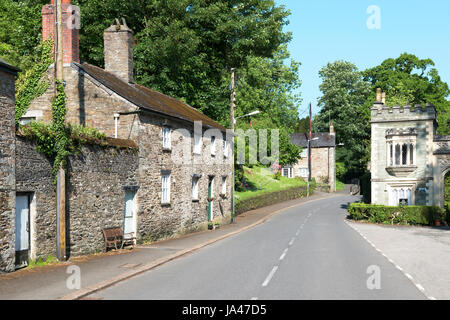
(306, 252)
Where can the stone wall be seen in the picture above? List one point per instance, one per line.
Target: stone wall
(7, 169)
(96, 178)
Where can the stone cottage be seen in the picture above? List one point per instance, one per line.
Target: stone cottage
(323, 157)
(7, 166)
(408, 161)
(165, 171)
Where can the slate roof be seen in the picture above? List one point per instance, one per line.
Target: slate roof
(148, 99)
(5, 66)
(325, 140)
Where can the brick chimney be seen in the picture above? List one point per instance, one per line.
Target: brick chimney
(118, 40)
(70, 18)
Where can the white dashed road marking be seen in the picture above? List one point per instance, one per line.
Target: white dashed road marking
(269, 277)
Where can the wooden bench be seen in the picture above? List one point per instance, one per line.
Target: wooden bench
(115, 238)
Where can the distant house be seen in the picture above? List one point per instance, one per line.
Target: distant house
(323, 166)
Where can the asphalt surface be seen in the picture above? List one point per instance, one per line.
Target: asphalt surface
(306, 252)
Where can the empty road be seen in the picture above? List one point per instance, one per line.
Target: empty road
(306, 252)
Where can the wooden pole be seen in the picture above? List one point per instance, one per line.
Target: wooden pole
(232, 105)
(61, 183)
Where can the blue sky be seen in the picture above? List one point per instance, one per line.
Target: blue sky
(329, 30)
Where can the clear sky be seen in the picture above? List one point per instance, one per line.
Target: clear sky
(329, 30)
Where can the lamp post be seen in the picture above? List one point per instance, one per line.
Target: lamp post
(309, 163)
(232, 157)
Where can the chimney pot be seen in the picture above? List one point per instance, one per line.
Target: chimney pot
(379, 94)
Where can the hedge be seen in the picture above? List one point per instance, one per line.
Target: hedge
(412, 215)
(268, 199)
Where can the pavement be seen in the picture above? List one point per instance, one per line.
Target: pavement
(421, 253)
(100, 271)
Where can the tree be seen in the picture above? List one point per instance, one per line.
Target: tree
(20, 31)
(408, 80)
(344, 95)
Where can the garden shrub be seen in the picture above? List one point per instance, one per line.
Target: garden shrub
(411, 215)
(270, 198)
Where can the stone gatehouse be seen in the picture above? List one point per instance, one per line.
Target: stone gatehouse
(165, 171)
(408, 161)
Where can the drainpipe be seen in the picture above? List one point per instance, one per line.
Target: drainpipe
(116, 123)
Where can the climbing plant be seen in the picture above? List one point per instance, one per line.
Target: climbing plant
(32, 83)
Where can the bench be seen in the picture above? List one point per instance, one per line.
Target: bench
(115, 238)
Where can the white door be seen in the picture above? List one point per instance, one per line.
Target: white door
(130, 213)
(22, 223)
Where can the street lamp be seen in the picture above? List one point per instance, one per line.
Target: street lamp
(309, 163)
(232, 155)
(247, 115)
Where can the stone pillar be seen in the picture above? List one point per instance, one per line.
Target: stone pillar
(118, 45)
(7, 168)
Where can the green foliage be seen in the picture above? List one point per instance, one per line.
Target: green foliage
(412, 215)
(277, 175)
(270, 198)
(341, 170)
(32, 83)
(344, 94)
(447, 187)
(408, 80)
(20, 31)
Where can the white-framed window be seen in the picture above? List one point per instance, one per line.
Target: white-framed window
(213, 145)
(224, 185)
(165, 192)
(304, 153)
(225, 148)
(166, 138)
(26, 120)
(197, 144)
(195, 180)
(287, 172)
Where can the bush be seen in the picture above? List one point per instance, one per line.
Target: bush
(412, 215)
(270, 198)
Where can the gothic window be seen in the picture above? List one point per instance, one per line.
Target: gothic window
(401, 147)
(400, 196)
(397, 154)
(404, 154)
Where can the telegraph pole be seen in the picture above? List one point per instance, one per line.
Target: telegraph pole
(232, 105)
(61, 178)
(309, 149)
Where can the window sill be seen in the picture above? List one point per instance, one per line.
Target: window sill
(165, 204)
(401, 171)
(167, 149)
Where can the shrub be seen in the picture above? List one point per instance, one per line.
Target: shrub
(270, 198)
(277, 175)
(412, 215)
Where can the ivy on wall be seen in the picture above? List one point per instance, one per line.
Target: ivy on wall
(32, 84)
